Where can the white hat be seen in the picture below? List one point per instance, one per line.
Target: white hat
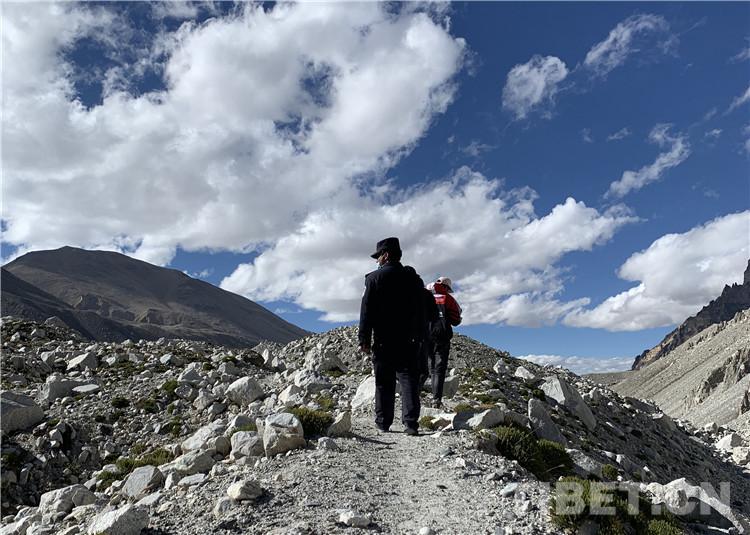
(445, 281)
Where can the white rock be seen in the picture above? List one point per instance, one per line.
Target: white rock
(57, 386)
(193, 462)
(327, 444)
(18, 412)
(128, 520)
(292, 395)
(85, 390)
(246, 444)
(190, 375)
(87, 361)
(209, 436)
(341, 426)
(568, 397)
(64, 499)
(524, 374)
(364, 398)
(487, 419)
(311, 381)
(741, 455)
(541, 422)
(244, 391)
(142, 481)
(247, 489)
(354, 519)
(189, 481)
(222, 507)
(732, 440)
(281, 433)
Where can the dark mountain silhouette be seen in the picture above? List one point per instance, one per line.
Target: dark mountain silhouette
(732, 299)
(111, 296)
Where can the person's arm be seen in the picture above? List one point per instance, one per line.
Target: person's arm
(365, 317)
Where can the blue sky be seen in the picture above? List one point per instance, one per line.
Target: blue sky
(579, 169)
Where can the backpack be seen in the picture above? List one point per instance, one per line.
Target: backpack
(440, 330)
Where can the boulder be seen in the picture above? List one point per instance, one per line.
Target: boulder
(87, 361)
(567, 396)
(364, 398)
(128, 520)
(324, 361)
(292, 395)
(281, 433)
(741, 455)
(208, 437)
(341, 426)
(311, 381)
(327, 444)
(245, 490)
(142, 481)
(584, 466)
(730, 441)
(541, 422)
(18, 412)
(190, 374)
(192, 462)
(354, 519)
(246, 444)
(85, 390)
(524, 374)
(486, 419)
(57, 386)
(244, 391)
(63, 500)
(450, 387)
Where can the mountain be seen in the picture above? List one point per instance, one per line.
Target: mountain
(111, 296)
(733, 299)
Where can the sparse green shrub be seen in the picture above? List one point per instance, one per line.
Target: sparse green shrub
(174, 427)
(228, 358)
(428, 422)
(326, 402)
(314, 423)
(556, 460)
(610, 472)
(663, 527)
(463, 407)
(169, 387)
(520, 445)
(333, 373)
(100, 418)
(53, 422)
(119, 402)
(107, 478)
(207, 366)
(247, 427)
(125, 465)
(137, 448)
(171, 408)
(484, 399)
(539, 394)
(147, 404)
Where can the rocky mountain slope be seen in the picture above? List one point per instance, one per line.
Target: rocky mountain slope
(704, 380)
(110, 296)
(174, 436)
(732, 300)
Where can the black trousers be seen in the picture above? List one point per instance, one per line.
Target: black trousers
(391, 362)
(439, 366)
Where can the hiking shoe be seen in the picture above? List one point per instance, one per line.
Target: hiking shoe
(437, 404)
(382, 428)
(411, 431)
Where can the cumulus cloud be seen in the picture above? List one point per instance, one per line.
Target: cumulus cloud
(676, 275)
(533, 84)
(233, 154)
(500, 255)
(582, 365)
(629, 36)
(679, 150)
(622, 133)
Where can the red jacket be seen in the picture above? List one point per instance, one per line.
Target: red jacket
(452, 308)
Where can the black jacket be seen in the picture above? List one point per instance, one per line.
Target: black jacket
(392, 306)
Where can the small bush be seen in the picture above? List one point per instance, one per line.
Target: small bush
(246, 427)
(171, 408)
(610, 472)
(169, 387)
(137, 448)
(556, 460)
(314, 423)
(333, 373)
(326, 402)
(428, 422)
(119, 402)
(463, 407)
(539, 394)
(484, 399)
(148, 405)
(108, 478)
(207, 366)
(520, 445)
(662, 527)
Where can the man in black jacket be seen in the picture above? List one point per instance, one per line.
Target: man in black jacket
(393, 309)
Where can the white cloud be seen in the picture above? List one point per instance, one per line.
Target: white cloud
(533, 84)
(586, 135)
(714, 134)
(679, 150)
(233, 154)
(740, 100)
(498, 253)
(476, 148)
(742, 55)
(628, 37)
(622, 133)
(583, 365)
(677, 275)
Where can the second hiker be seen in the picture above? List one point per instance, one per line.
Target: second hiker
(441, 332)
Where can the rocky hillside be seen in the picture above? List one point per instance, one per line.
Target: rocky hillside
(110, 296)
(705, 380)
(182, 437)
(732, 300)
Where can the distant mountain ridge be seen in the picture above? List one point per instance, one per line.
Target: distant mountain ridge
(110, 296)
(732, 300)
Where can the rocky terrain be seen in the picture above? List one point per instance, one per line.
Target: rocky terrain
(177, 436)
(109, 296)
(705, 380)
(732, 300)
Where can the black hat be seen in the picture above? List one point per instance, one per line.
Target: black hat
(390, 245)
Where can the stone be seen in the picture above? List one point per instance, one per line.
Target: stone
(142, 481)
(189, 481)
(450, 387)
(57, 386)
(541, 422)
(509, 490)
(18, 412)
(292, 395)
(311, 381)
(229, 368)
(567, 396)
(664, 422)
(732, 440)
(245, 490)
(741, 455)
(150, 501)
(190, 375)
(281, 433)
(524, 374)
(324, 361)
(193, 462)
(85, 390)
(186, 392)
(327, 444)
(87, 361)
(486, 419)
(244, 391)
(222, 507)
(128, 520)
(584, 466)
(204, 400)
(246, 444)
(354, 519)
(364, 398)
(715, 512)
(65, 499)
(341, 426)
(209, 436)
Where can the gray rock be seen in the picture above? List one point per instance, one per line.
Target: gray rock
(87, 361)
(128, 520)
(208, 437)
(354, 519)
(64, 499)
(541, 422)
(142, 481)
(327, 444)
(57, 386)
(364, 398)
(222, 507)
(524, 374)
(341, 426)
(509, 490)
(311, 381)
(18, 412)
(732, 440)
(246, 444)
(281, 433)
(450, 387)
(486, 419)
(292, 395)
(190, 375)
(568, 397)
(85, 390)
(245, 490)
(244, 391)
(189, 481)
(193, 462)
(585, 466)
